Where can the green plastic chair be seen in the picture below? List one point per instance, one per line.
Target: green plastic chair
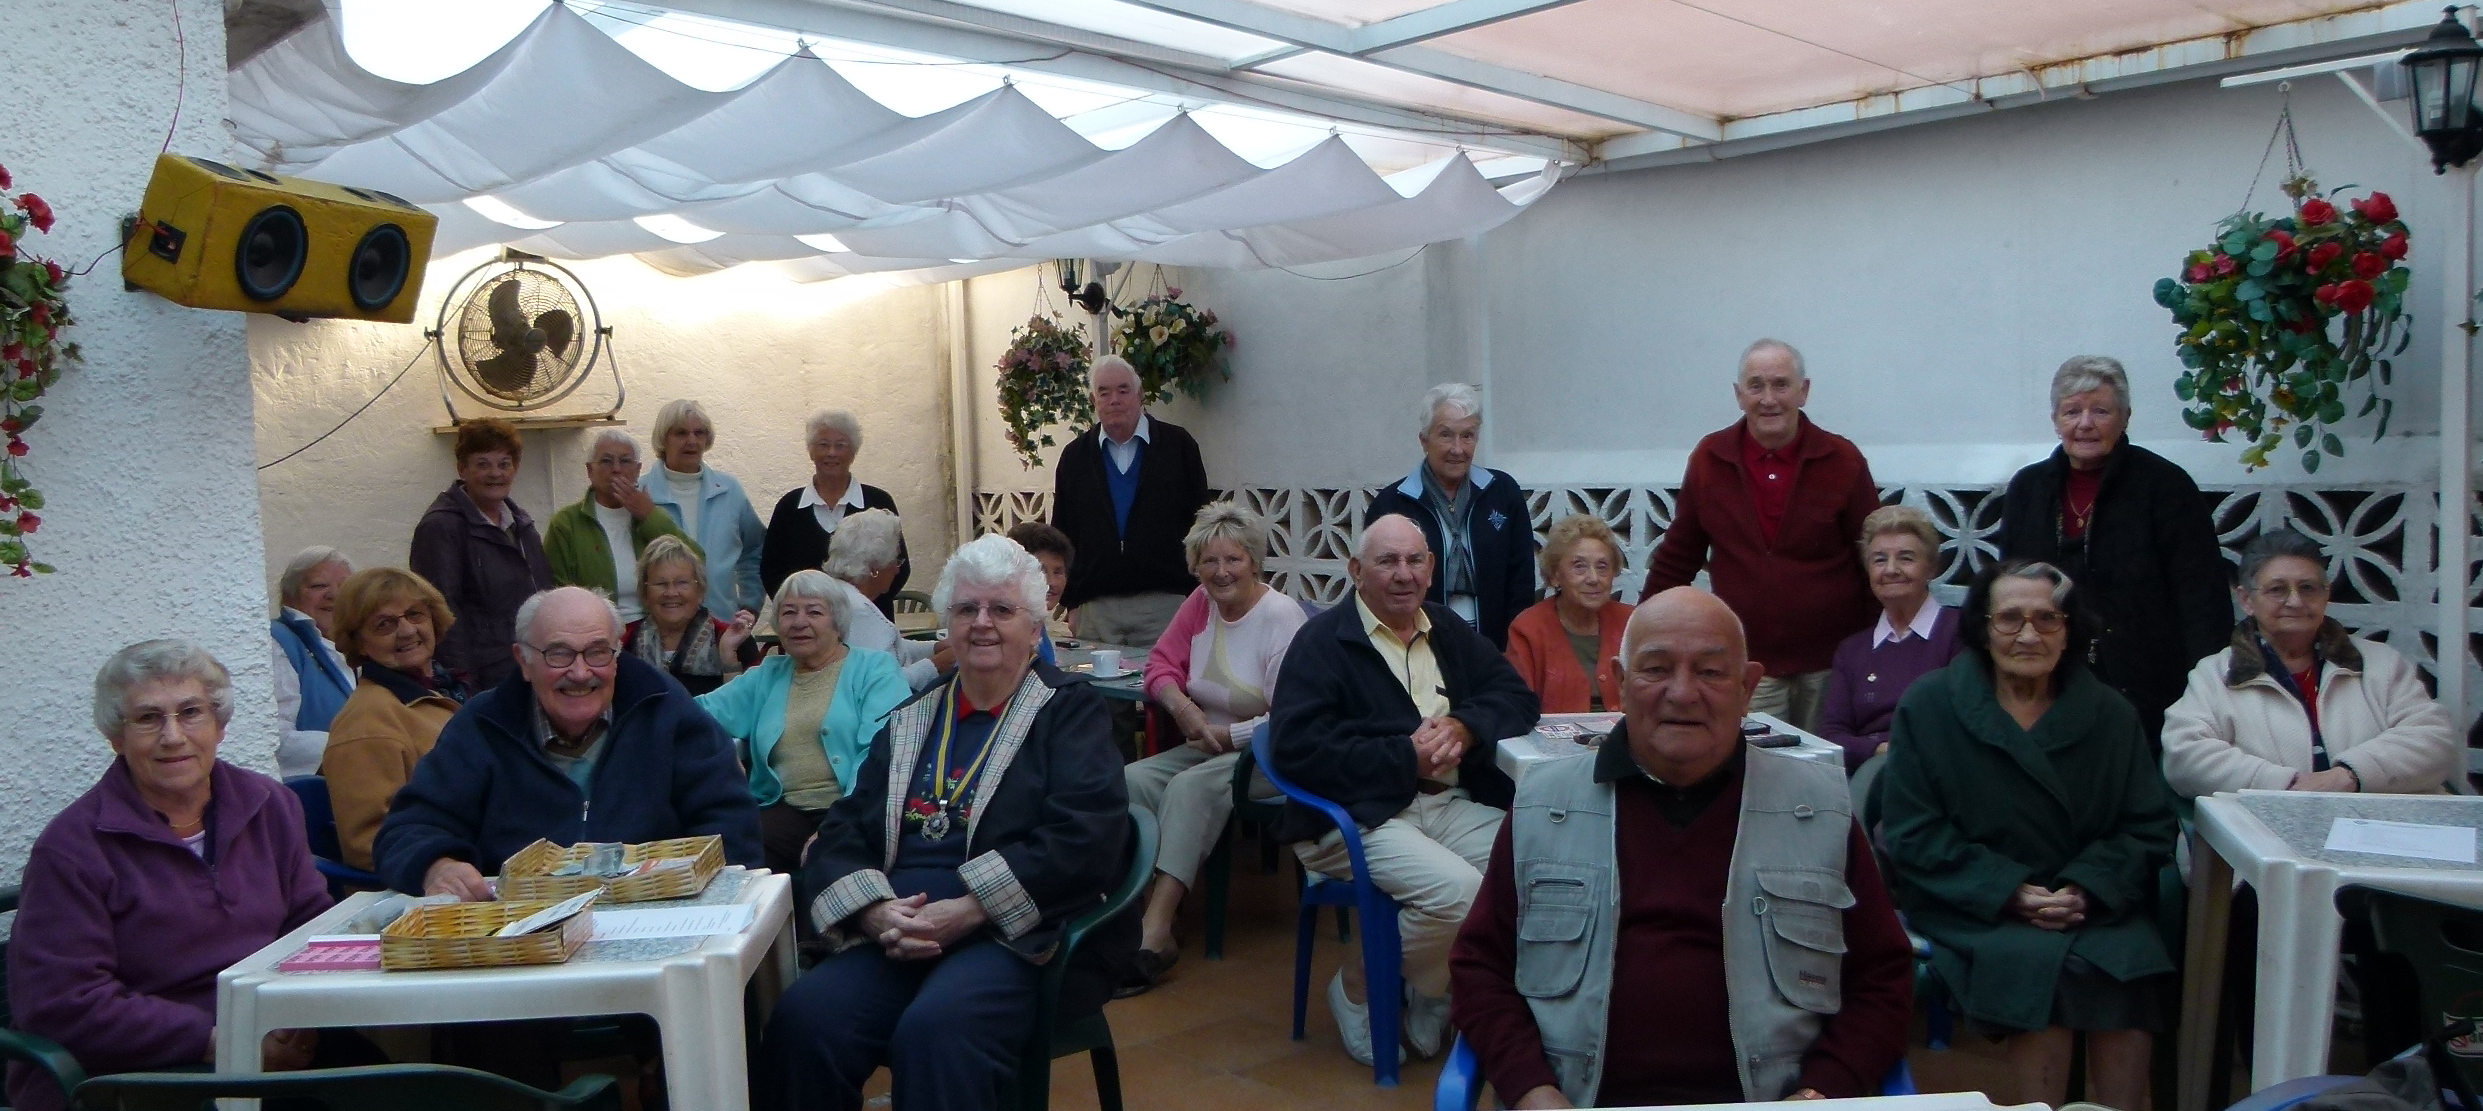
(1091, 1034)
(2444, 944)
(40, 1053)
(367, 1088)
(1219, 868)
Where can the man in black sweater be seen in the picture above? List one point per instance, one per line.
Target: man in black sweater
(1126, 492)
(1394, 708)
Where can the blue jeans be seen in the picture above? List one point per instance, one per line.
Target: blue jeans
(950, 1030)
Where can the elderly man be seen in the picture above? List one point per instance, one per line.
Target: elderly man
(586, 743)
(1393, 708)
(596, 542)
(1608, 961)
(1772, 507)
(1475, 519)
(1124, 494)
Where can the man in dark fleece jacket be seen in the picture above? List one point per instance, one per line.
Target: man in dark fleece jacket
(586, 743)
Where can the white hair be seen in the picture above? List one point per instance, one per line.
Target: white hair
(2087, 372)
(863, 543)
(527, 612)
(1111, 362)
(840, 420)
(1458, 398)
(993, 560)
(158, 661)
(308, 560)
(614, 436)
(673, 413)
(817, 585)
(1362, 543)
(1801, 372)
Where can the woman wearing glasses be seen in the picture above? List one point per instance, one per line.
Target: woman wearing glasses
(2025, 825)
(388, 624)
(2297, 705)
(1010, 819)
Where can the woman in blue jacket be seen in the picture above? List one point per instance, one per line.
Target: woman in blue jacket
(710, 505)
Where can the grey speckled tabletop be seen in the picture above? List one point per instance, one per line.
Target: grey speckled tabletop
(2302, 819)
(727, 887)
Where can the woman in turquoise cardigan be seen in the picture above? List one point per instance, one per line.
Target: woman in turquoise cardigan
(807, 715)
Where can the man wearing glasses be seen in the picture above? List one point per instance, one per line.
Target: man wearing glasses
(586, 743)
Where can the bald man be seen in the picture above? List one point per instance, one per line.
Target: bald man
(1703, 920)
(1393, 707)
(1125, 493)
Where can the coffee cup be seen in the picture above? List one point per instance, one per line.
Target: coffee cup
(1107, 663)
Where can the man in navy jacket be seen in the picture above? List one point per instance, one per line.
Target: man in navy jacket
(1475, 519)
(586, 743)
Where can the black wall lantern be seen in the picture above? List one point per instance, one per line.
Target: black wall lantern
(2445, 114)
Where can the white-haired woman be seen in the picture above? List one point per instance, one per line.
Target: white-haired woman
(1482, 535)
(678, 633)
(807, 518)
(595, 543)
(312, 678)
(808, 714)
(168, 870)
(867, 555)
(1214, 671)
(1012, 820)
(2130, 527)
(1913, 637)
(710, 506)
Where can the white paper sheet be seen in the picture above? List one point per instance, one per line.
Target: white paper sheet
(617, 925)
(2454, 844)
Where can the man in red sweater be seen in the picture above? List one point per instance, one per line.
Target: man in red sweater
(1679, 918)
(1772, 507)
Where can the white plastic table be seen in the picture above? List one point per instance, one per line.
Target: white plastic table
(1946, 1101)
(1516, 754)
(2275, 841)
(692, 987)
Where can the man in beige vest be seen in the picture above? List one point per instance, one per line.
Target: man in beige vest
(1680, 917)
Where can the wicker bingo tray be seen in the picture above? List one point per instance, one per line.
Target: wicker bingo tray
(528, 875)
(459, 935)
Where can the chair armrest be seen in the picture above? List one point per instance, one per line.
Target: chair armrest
(46, 1057)
(1461, 1079)
(1260, 746)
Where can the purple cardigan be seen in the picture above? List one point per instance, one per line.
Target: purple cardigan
(121, 930)
(1864, 683)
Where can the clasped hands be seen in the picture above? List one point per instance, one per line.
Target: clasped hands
(1440, 745)
(915, 928)
(1197, 731)
(2047, 909)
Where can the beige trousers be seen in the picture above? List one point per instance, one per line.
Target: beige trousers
(1430, 858)
(1795, 698)
(1192, 796)
(1132, 620)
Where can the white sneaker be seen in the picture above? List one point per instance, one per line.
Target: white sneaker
(1426, 1023)
(1353, 1023)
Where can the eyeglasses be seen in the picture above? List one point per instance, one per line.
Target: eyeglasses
(561, 655)
(154, 724)
(2286, 592)
(385, 624)
(2009, 623)
(964, 612)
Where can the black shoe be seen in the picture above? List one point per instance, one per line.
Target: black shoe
(1152, 965)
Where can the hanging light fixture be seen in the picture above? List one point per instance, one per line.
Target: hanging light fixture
(2445, 114)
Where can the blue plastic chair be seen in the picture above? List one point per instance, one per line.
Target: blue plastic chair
(319, 819)
(1461, 1081)
(1382, 956)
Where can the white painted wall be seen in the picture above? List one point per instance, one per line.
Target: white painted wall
(144, 451)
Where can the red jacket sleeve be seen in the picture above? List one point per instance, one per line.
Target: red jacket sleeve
(1683, 550)
(1483, 1001)
(1859, 1044)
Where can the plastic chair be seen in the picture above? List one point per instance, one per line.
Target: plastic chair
(910, 601)
(1461, 1081)
(1246, 810)
(319, 819)
(1382, 956)
(2443, 942)
(1089, 1034)
(366, 1088)
(41, 1054)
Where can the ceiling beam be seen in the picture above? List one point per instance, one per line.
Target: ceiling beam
(1444, 19)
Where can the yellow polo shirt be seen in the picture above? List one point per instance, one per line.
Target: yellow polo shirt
(1413, 664)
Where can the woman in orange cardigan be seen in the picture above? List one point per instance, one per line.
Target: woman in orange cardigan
(1565, 645)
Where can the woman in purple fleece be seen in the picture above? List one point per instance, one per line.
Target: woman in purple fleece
(171, 868)
(1913, 637)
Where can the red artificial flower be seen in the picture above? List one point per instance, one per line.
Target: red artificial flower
(37, 212)
(2324, 254)
(2198, 272)
(22, 571)
(2226, 265)
(4, 177)
(2284, 244)
(17, 447)
(2325, 294)
(42, 313)
(2376, 208)
(11, 352)
(8, 244)
(2393, 246)
(2315, 212)
(1173, 294)
(2353, 296)
(28, 522)
(53, 271)
(2368, 265)
(7, 503)
(12, 426)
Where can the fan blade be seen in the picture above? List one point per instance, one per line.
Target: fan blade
(507, 373)
(508, 321)
(558, 329)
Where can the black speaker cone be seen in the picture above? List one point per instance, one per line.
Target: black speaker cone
(274, 245)
(379, 267)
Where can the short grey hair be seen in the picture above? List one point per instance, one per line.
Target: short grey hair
(840, 420)
(673, 413)
(2087, 372)
(816, 585)
(1801, 370)
(2039, 571)
(308, 560)
(533, 606)
(1458, 398)
(2276, 544)
(1111, 362)
(614, 436)
(863, 543)
(993, 560)
(1362, 543)
(157, 661)
(1223, 520)
(669, 548)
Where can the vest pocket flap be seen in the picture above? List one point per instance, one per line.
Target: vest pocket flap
(1555, 936)
(1809, 885)
(1806, 955)
(1553, 923)
(1809, 927)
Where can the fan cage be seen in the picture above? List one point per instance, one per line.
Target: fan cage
(473, 285)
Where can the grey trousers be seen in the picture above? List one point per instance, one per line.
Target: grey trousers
(1192, 796)
(1132, 620)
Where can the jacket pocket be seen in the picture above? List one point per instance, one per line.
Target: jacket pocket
(1555, 933)
(1804, 912)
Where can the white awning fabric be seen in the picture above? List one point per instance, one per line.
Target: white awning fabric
(565, 125)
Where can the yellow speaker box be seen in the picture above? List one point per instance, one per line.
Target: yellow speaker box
(214, 237)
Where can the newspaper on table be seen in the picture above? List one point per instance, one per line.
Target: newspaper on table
(550, 917)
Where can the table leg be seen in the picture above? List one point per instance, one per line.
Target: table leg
(2298, 932)
(2202, 972)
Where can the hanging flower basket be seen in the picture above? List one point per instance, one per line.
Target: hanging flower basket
(2284, 321)
(33, 313)
(1174, 345)
(1042, 382)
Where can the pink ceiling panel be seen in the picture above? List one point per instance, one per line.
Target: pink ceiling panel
(1353, 13)
(1382, 82)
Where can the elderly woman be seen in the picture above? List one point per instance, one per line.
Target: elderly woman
(806, 519)
(808, 714)
(595, 542)
(1212, 672)
(1010, 819)
(708, 504)
(172, 867)
(2026, 824)
(1565, 645)
(389, 623)
(312, 680)
(867, 556)
(2294, 704)
(2130, 527)
(1052, 549)
(482, 552)
(1914, 637)
(678, 634)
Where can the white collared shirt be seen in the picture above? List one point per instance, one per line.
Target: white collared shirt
(1125, 452)
(830, 516)
(1924, 619)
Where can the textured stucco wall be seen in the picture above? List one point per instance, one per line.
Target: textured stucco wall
(760, 352)
(144, 451)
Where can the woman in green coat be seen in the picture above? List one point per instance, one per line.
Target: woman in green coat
(2025, 823)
